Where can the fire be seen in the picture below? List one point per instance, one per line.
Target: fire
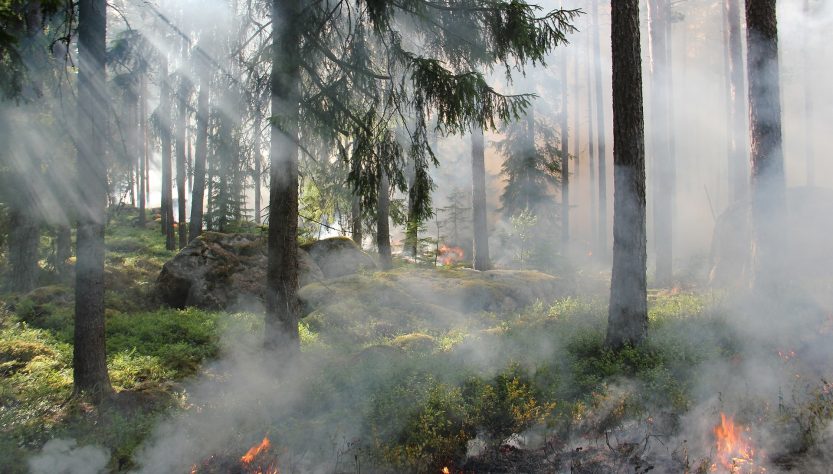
(450, 255)
(446, 470)
(252, 453)
(734, 451)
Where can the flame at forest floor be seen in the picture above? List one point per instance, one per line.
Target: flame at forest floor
(735, 452)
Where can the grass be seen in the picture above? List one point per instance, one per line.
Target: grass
(412, 383)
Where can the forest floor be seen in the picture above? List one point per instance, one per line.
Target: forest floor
(721, 385)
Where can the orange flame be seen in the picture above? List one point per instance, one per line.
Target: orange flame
(734, 452)
(450, 255)
(446, 470)
(255, 450)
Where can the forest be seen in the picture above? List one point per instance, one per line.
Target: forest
(428, 236)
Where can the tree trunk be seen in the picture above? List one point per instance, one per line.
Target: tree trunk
(768, 184)
(282, 305)
(565, 155)
(628, 309)
(356, 222)
(662, 159)
(412, 226)
(89, 359)
(181, 126)
(738, 169)
(480, 260)
(165, 139)
(809, 153)
(601, 246)
(258, 172)
(24, 235)
(143, 147)
(576, 115)
(591, 153)
(382, 221)
(63, 249)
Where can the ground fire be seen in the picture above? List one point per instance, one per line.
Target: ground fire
(735, 453)
(450, 255)
(257, 460)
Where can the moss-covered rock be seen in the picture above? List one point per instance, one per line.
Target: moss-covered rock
(339, 256)
(219, 271)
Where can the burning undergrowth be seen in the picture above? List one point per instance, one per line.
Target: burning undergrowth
(537, 392)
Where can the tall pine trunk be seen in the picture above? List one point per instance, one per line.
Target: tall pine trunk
(181, 127)
(63, 249)
(565, 155)
(382, 221)
(591, 151)
(662, 159)
(257, 173)
(24, 235)
(809, 153)
(356, 220)
(165, 139)
(601, 246)
(628, 309)
(143, 147)
(412, 226)
(738, 155)
(282, 305)
(89, 359)
(200, 154)
(768, 184)
(480, 260)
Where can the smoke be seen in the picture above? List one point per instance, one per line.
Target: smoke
(64, 456)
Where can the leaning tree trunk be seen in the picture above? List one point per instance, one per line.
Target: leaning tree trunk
(89, 359)
(663, 160)
(565, 155)
(165, 139)
(24, 234)
(768, 184)
(282, 305)
(480, 260)
(601, 136)
(738, 155)
(201, 145)
(628, 309)
(181, 127)
(382, 221)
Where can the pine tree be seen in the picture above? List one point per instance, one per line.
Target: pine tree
(628, 307)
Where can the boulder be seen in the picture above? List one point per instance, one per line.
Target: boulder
(808, 227)
(219, 271)
(339, 256)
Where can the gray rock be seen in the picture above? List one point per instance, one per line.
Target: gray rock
(219, 271)
(339, 256)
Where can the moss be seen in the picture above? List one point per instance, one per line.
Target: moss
(414, 342)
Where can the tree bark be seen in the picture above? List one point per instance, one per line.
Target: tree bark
(628, 309)
(143, 147)
(768, 183)
(809, 152)
(181, 126)
(257, 172)
(356, 222)
(165, 139)
(591, 152)
(565, 155)
(63, 249)
(282, 305)
(738, 156)
(662, 159)
(412, 226)
(24, 235)
(382, 221)
(480, 260)
(601, 246)
(89, 359)
(200, 153)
